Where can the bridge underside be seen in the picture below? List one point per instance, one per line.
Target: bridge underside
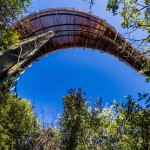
(74, 28)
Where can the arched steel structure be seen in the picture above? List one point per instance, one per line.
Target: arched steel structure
(73, 28)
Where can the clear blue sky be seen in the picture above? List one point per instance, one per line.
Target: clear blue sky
(97, 74)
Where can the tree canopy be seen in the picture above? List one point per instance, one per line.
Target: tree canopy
(10, 11)
(18, 123)
(136, 15)
(83, 126)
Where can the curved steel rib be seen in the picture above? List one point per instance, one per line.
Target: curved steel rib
(72, 28)
(15, 56)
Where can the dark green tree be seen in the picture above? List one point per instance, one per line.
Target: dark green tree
(84, 126)
(136, 15)
(18, 123)
(125, 126)
(10, 10)
(132, 124)
(74, 126)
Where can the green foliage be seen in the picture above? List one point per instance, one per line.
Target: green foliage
(18, 123)
(146, 98)
(81, 127)
(49, 139)
(136, 15)
(7, 37)
(74, 124)
(125, 126)
(84, 126)
(9, 13)
(133, 125)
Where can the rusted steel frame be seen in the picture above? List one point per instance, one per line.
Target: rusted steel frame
(116, 36)
(39, 19)
(55, 18)
(120, 52)
(127, 52)
(25, 26)
(106, 50)
(93, 39)
(45, 28)
(50, 45)
(87, 39)
(70, 24)
(99, 38)
(84, 25)
(61, 9)
(10, 67)
(130, 54)
(124, 49)
(119, 47)
(10, 51)
(134, 62)
(23, 32)
(73, 11)
(14, 55)
(73, 15)
(80, 36)
(106, 38)
(70, 20)
(13, 67)
(67, 14)
(20, 26)
(74, 20)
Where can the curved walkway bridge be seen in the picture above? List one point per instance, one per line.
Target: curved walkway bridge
(53, 29)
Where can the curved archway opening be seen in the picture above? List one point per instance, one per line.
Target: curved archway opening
(54, 29)
(96, 73)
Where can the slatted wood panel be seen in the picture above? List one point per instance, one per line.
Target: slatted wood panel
(74, 28)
